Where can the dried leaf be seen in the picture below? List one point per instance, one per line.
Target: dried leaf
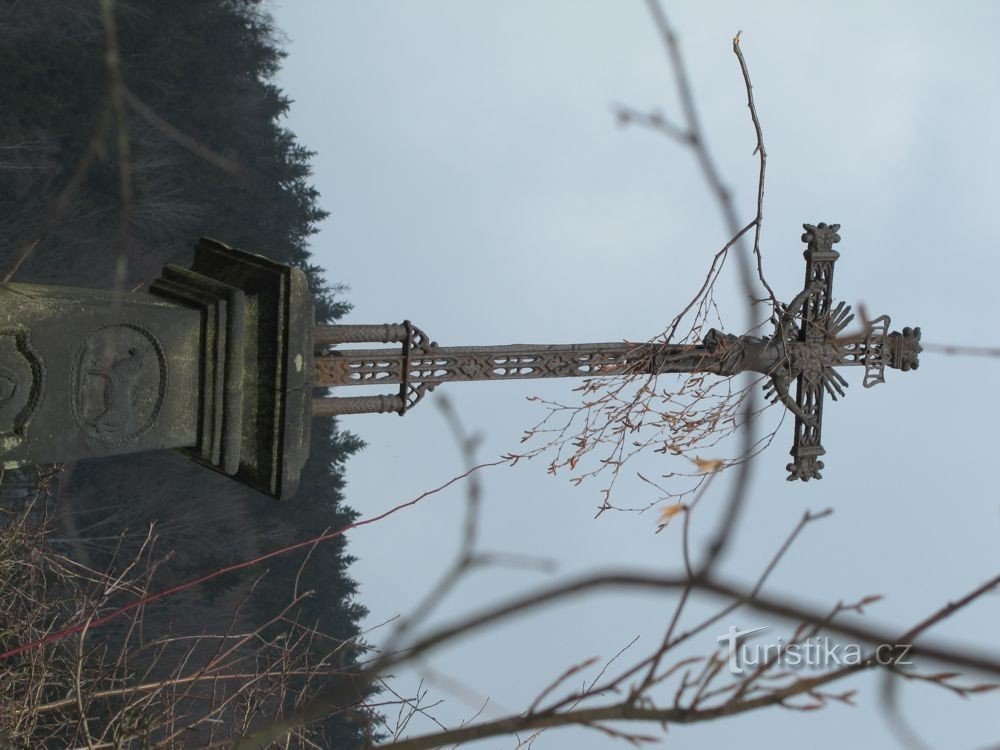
(669, 512)
(707, 465)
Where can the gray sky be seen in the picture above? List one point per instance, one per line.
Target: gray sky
(479, 185)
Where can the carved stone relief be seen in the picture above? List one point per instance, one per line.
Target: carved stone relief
(22, 378)
(119, 382)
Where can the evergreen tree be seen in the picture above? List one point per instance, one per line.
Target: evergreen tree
(204, 68)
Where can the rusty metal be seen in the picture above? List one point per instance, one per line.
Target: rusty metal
(807, 346)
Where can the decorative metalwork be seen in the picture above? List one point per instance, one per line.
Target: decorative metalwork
(807, 346)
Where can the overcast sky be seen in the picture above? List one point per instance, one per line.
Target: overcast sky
(479, 185)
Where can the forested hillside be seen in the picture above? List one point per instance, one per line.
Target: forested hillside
(103, 181)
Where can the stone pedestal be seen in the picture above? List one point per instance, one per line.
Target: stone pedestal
(216, 360)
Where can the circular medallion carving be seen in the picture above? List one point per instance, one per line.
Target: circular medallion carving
(119, 381)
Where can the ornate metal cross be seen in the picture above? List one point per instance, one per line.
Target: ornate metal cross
(807, 347)
(220, 360)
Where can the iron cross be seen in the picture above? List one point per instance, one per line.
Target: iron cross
(806, 349)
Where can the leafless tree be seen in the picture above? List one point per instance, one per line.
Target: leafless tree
(612, 421)
(105, 699)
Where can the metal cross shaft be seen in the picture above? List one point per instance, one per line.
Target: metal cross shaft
(806, 348)
(420, 368)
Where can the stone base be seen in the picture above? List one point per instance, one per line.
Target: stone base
(256, 363)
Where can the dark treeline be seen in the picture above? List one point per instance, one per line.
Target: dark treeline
(207, 154)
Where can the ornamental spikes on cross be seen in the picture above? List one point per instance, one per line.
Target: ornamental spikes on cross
(810, 330)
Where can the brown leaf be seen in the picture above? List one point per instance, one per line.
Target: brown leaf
(707, 465)
(669, 512)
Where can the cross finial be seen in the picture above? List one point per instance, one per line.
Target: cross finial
(821, 237)
(818, 348)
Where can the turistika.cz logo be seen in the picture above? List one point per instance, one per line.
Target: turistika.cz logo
(817, 652)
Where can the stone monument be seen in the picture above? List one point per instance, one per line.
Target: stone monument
(220, 360)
